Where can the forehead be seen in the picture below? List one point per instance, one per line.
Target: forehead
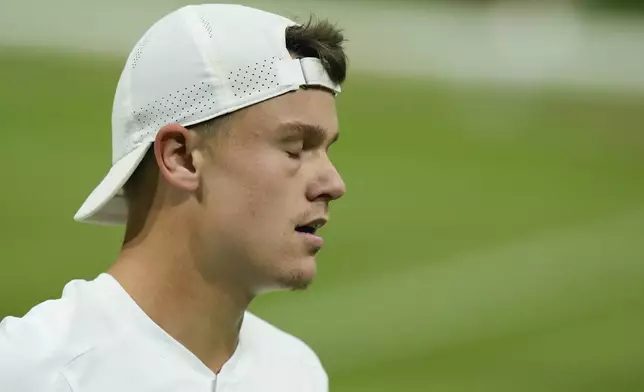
(314, 107)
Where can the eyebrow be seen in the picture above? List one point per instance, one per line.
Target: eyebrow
(302, 129)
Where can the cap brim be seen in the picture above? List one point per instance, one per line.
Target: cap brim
(106, 204)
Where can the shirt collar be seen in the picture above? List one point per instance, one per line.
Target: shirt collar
(127, 314)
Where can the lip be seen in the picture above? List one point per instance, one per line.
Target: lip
(318, 222)
(313, 239)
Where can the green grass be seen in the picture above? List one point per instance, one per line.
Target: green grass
(490, 239)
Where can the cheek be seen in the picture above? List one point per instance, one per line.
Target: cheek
(254, 193)
(249, 212)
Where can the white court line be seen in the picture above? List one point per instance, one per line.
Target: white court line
(484, 294)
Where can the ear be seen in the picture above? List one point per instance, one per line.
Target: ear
(174, 157)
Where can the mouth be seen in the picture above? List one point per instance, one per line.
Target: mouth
(311, 227)
(309, 231)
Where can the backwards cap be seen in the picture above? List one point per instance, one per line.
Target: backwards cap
(196, 63)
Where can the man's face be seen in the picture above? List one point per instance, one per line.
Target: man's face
(267, 182)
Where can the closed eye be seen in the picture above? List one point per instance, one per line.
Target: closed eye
(294, 155)
(294, 148)
(298, 138)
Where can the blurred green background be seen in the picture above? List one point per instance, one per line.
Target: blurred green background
(490, 238)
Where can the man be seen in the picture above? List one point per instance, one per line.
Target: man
(221, 126)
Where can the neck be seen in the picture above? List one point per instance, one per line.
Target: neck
(202, 314)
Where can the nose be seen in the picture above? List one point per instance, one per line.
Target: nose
(336, 186)
(329, 184)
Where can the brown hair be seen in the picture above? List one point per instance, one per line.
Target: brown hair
(323, 40)
(314, 38)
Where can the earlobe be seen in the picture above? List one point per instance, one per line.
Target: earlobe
(174, 157)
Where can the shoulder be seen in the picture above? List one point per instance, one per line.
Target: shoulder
(283, 347)
(35, 347)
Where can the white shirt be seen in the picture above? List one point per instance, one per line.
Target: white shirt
(95, 338)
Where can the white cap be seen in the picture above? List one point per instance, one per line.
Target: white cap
(196, 63)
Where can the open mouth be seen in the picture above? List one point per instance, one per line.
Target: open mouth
(309, 234)
(311, 227)
(306, 229)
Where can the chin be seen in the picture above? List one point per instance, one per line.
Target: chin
(299, 276)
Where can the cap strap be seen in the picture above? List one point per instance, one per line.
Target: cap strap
(307, 71)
